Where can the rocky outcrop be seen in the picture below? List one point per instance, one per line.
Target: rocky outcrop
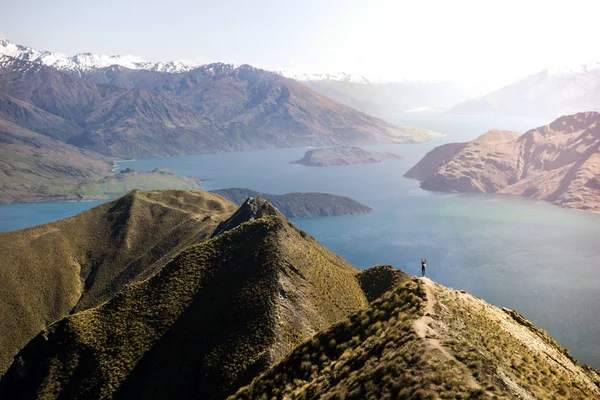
(559, 163)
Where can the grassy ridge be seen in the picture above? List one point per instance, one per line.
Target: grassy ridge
(421, 340)
(218, 313)
(53, 269)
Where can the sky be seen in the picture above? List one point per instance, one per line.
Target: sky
(480, 42)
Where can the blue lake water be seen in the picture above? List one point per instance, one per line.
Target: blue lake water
(528, 255)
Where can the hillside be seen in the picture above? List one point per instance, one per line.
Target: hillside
(559, 163)
(33, 166)
(37, 168)
(382, 98)
(300, 205)
(548, 93)
(261, 109)
(422, 340)
(218, 313)
(110, 120)
(343, 156)
(51, 270)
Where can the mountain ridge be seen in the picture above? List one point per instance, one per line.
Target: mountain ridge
(282, 287)
(557, 163)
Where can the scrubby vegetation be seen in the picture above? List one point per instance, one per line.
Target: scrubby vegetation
(205, 324)
(51, 270)
(375, 354)
(377, 280)
(424, 341)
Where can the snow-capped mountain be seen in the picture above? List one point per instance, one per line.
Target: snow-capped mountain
(549, 93)
(579, 69)
(335, 76)
(87, 61)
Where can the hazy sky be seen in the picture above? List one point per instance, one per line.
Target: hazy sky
(483, 41)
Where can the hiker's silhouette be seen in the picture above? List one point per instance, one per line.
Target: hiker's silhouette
(423, 265)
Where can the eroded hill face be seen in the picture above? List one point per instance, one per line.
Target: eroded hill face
(205, 324)
(51, 270)
(559, 163)
(422, 340)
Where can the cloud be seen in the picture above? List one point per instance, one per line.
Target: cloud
(3, 36)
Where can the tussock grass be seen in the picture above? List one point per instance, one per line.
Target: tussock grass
(73, 264)
(210, 320)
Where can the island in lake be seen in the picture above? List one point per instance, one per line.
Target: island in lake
(343, 156)
(300, 205)
(558, 163)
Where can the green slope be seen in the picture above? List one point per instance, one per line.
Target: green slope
(205, 324)
(50, 270)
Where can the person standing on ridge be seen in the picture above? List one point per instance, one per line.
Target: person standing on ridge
(423, 265)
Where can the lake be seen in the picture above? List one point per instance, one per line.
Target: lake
(531, 256)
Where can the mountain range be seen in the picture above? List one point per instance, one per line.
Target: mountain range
(124, 110)
(549, 93)
(183, 295)
(559, 163)
(63, 119)
(385, 97)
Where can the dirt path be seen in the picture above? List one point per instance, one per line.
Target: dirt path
(425, 330)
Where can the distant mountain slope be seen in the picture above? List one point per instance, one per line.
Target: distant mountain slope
(422, 340)
(300, 205)
(33, 165)
(559, 163)
(259, 108)
(385, 98)
(37, 120)
(549, 93)
(112, 121)
(206, 323)
(343, 155)
(51, 270)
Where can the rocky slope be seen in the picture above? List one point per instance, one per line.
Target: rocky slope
(548, 93)
(218, 313)
(51, 270)
(422, 340)
(559, 163)
(343, 156)
(300, 205)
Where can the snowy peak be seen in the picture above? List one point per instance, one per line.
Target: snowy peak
(86, 61)
(574, 69)
(336, 77)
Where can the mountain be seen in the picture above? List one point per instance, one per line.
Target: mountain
(258, 108)
(422, 340)
(549, 93)
(140, 113)
(207, 322)
(34, 166)
(52, 270)
(87, 61)
(109, 120)
(37, 166)
(180, 307)
(343, 156)
(558, 162)
(300, 205)
(383, 97)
